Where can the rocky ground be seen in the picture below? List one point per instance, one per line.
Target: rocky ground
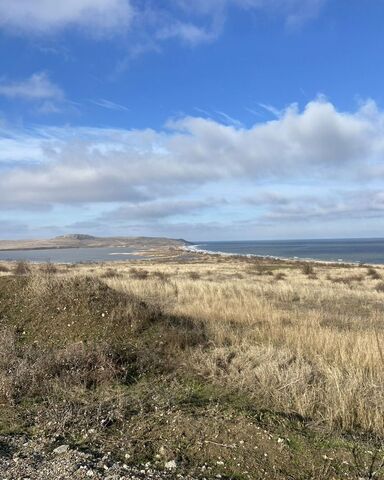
(24, 459)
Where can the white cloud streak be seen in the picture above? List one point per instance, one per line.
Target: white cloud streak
(36, 87)
(103, 103)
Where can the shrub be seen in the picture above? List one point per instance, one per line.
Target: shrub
(194, 275)
(164, 277)
(308, 269)
(260, 270)
(348, 279)
(49, 268)
(4, 268)
(280, 276)
(110, 273)
(373, 273)
(21, 268)
(139, 274)
(380, 287)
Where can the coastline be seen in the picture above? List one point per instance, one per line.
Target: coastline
(195, 249)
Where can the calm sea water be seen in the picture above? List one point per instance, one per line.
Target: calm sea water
(351, 250)
(70, 255)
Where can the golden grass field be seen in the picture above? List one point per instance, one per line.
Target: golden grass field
(288, 356)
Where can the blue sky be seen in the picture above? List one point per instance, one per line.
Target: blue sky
(212, 119)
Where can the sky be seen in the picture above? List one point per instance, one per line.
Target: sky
(203, 120)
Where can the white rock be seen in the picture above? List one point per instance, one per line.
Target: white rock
(61, 449)
(171, 465)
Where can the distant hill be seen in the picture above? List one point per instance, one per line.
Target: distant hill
(77, 240)
(75, 236)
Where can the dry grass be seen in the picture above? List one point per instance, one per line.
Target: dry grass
(302, 345)
(277, 336)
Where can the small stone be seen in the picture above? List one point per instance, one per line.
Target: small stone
(171, 465)
(162, 451)
(61, 449)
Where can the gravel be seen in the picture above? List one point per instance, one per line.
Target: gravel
(25, 459)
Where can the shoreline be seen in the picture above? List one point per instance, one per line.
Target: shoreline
(194, 249)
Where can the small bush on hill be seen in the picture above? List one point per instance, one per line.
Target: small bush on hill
(280, 276)
(308, 269)
(373, 273)
(194, 275)
(110, 273)
(138, 274)
(21, 268)
(49, 268)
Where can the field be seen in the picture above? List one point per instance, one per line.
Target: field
(207, 366)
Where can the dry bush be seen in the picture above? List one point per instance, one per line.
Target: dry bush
(348, 279)
(280, 276)
(139, 274)
(110, 273)
(194, 275)
(163, 276)
(28, 371)
(260, 270)
(21, 268)
(4, 269)
(49, 268)
(380, 287)
(373, 273)
(308, 269)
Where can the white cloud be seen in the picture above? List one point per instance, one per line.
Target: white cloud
(156, 210)
(103, 103)
(93, 165)
(45, 16)
(295, 11)
(193, 23)
(36, 87)
(187, 32)
(336, 205)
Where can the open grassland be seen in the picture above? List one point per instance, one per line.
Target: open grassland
(236, 367)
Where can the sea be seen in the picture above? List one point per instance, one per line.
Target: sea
(71, 255)
(367, 250)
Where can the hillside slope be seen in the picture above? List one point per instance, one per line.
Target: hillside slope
(88, 241)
